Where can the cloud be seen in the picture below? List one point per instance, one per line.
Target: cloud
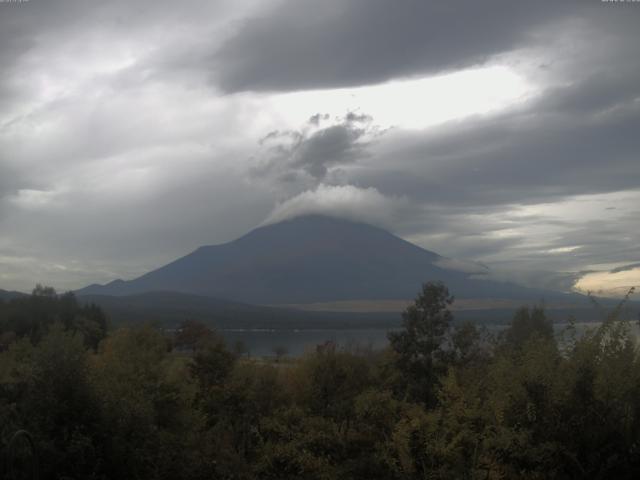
(625, 268)
(518, 157)
(346, 201)
(461, 265)
(9, 180)
(302, 44)
(546, 279)
(515, 240)
(47, 47)
(610, 284)
(307, 155)
(126, 139)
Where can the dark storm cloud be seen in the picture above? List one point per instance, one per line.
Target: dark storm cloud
(309, 44)
(577, 137)
(597, 92)
(312, 152)
(559, 281)
(332, 145)
(626, 268)
(532, 155)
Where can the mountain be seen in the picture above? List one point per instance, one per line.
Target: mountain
(6, 295)
(315, 259)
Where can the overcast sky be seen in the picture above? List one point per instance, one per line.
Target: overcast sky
(132, 132)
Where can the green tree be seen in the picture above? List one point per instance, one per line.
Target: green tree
(146, 400)
(420, 346)
(528, 322)
(212, 362)
(60, 407)
(190, 334)
(34, 315)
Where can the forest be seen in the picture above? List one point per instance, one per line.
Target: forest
(82, 400)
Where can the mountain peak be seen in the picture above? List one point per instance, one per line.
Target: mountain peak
(315, 227)
(306, 259)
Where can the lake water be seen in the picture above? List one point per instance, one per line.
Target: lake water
(296, 342)
(262, 342)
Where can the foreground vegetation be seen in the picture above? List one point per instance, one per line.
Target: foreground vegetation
(442, 401)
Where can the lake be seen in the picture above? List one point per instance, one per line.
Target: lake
(261, 342)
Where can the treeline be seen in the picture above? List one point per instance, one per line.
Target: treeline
(442, 401)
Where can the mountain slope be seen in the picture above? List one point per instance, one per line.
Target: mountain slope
(311, 259)
(7, 295)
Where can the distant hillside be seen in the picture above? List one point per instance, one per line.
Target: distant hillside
(7, 295)
(315, 259)
(170, 308)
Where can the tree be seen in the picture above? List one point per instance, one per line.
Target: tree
(191, 333)
(212, 362)
(146, 399)
(43, 291)
(420, 355)
(468, 345)
(60, 406)
(333, 379)
(528, 322)
(32, 316)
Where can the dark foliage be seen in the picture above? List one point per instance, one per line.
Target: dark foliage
(442, 401)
